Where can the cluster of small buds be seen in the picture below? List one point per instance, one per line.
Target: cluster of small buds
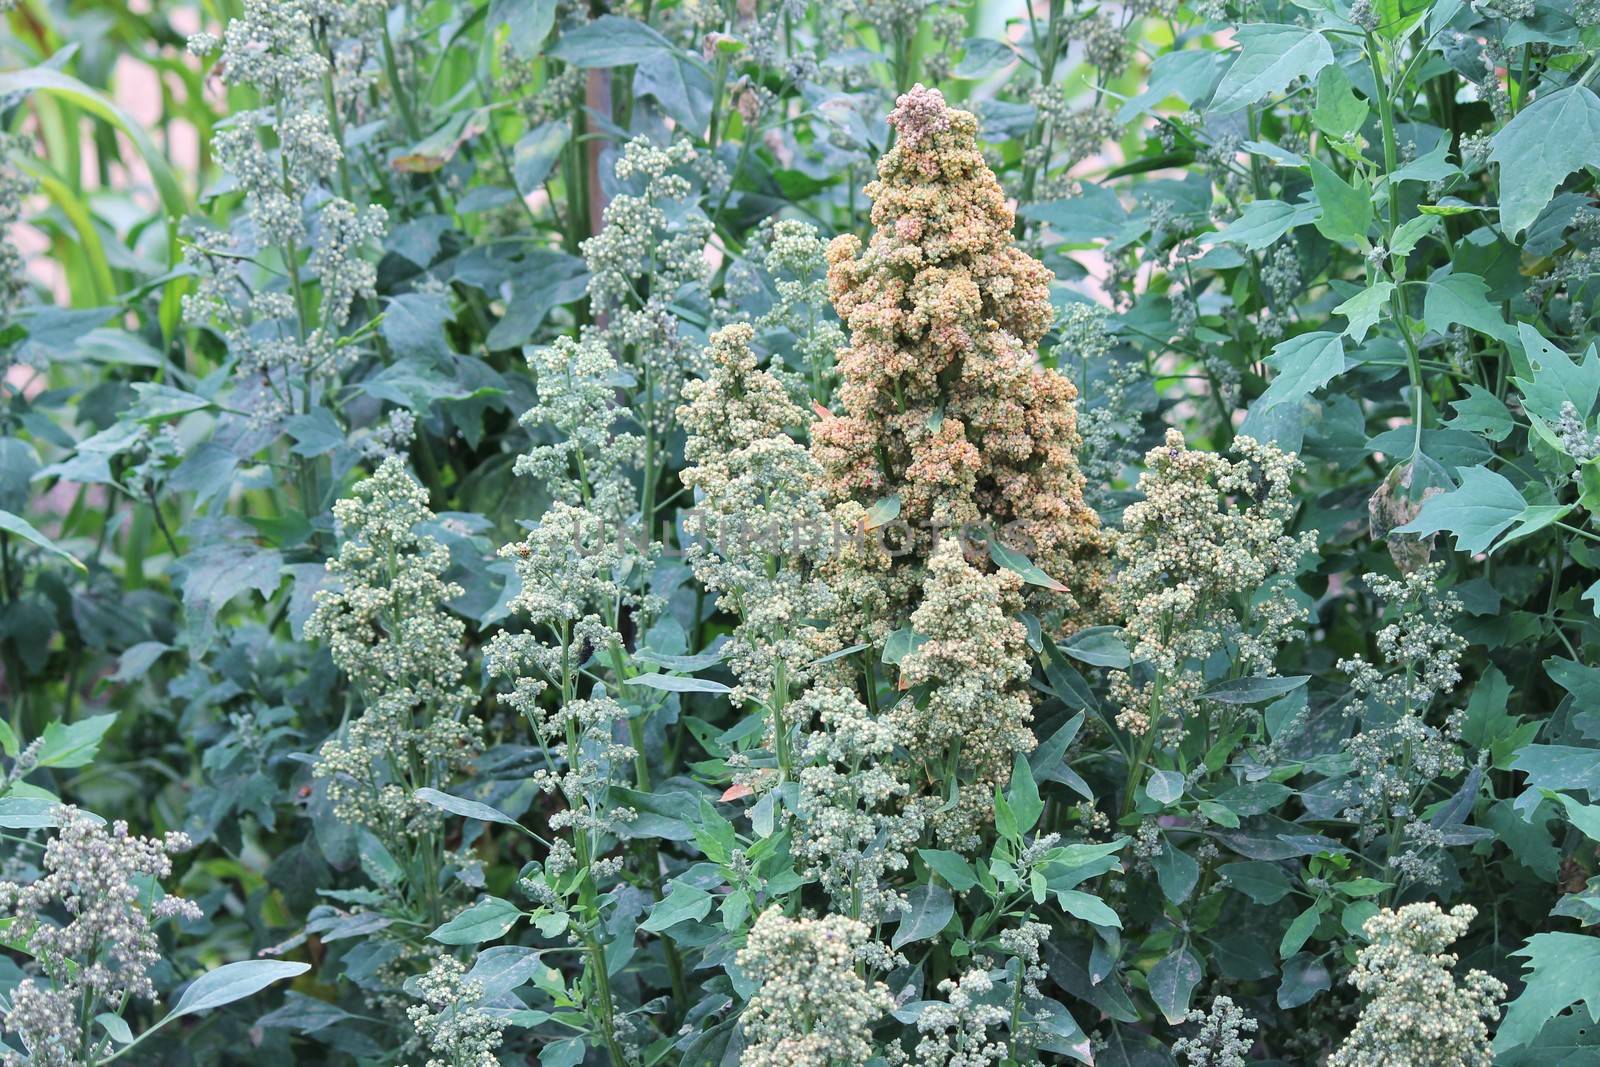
(1420, 649)
(1221, 1040)
(392, 437)
(955, 1032)
(1188, 564)
(757, 499)
(283, 155)
(386, 626)
(1574, 435)
(1105, 45)
(587, 461)
(1281, 273)
(1022, 942)
(945, 405)
(794, 259)
(451, 1022)
(850, 835)
(650, 247)
(973, 665)
(14, 188)
(102, 957)
(341, 257)
(1414, 1010)
(811, 1007)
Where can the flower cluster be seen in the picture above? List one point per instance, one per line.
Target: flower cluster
(758, 528)
(386, 626)
(955, 1032)
(302, 58)
(1398, 753)
(587, 461)
(651, 246)
(1414, 1009)
(965, 715)
(811, 1007)
(451, 1021)
(1220, 1040)
(101, 957)
(1196, 577)
(13, 188)
(852, 833)
(945, 406)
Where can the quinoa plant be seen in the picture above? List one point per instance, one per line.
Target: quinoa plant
(683, 532)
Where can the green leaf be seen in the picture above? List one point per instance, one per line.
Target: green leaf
(1256, 689)
(1261, 223)
(685, 903)
(929, 910)
(530, 22)
(1098, 646)
(1301, 929)
(1364, 308)
(1433, 167)
(1262, 882)
(1481, 412)
(677, 683)
(950, 866)
(1564, 969)
(1411, 233)
(1463, 299)
(1270, 57)
(1346, 208)
(1164, 787)
(1556, 378)
(1339, 112)
(609, 41)
(1023, 795)
(1485, 506)
(1546, 141)
(16, 524)
(1172, 981)
(1177, 872)
(1089, 908)
(231, 982)
(487, 920)
(470, 809)
(1304, 364)
(1013, 560)
(74, 744)
(536, 153)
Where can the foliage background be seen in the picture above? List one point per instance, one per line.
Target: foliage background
(1361, 233)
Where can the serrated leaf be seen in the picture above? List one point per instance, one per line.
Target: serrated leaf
(1462, 299)
(1270, 57)
(1564, 969)
(685, 903)
(1547, 140)
(1339, 112)
(1484, 507)
(1346, 208)
(1364, 309)
(1304, 364)
(1262, 223)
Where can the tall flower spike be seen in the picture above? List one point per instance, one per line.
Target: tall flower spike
(944, 403)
